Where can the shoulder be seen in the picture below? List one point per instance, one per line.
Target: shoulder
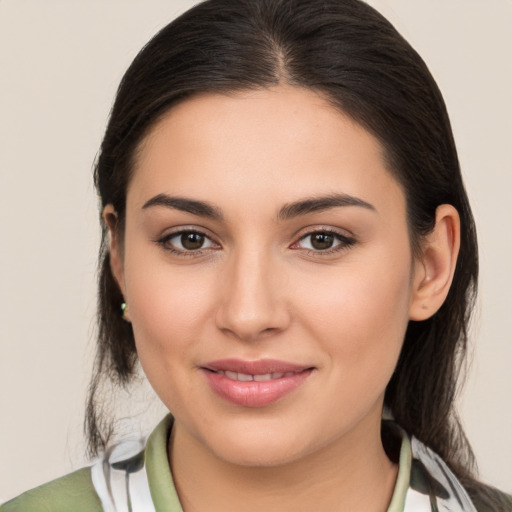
(80, 491)
(430, 476)
(74, 491)
(489, 499)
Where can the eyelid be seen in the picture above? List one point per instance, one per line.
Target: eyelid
(345, 240)
(163, 241)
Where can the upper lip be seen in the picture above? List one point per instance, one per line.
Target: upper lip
(259, 367)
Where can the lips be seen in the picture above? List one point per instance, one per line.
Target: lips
(246, 377)
(254, 383)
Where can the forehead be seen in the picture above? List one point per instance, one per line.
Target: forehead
(269, 144)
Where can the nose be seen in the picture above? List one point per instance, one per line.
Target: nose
(253, 303)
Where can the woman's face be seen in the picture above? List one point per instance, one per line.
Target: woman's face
(268, 273)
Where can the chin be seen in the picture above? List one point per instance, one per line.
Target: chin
(264, 454)
(269, 445)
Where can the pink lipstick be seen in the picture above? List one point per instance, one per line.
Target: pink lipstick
(254, 383)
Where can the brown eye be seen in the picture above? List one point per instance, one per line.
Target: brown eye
(322, 241)
(325, 242)
(192, 241)
(187, 242)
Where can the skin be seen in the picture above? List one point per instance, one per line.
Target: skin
(258, 289)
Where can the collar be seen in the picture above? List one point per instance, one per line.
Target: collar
(134, 476)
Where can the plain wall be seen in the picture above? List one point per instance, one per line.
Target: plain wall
(60, 64)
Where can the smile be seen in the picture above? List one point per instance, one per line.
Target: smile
(246, 377)
(254, 383)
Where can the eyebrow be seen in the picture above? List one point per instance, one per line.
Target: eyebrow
(317, 204)
(288, 211)
(201, 208)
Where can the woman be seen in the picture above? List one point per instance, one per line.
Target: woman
(288, 249)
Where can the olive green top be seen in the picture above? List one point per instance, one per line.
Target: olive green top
(75, 492)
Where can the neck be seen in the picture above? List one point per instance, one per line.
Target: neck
(337, 477)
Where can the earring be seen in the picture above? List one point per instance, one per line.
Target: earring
(124, 306)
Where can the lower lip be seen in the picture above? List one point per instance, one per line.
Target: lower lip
(255, 393)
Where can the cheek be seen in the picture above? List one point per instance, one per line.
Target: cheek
(168, 309)
(360, 314)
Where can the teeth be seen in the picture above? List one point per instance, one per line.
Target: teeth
(245, 377)
(265, 376)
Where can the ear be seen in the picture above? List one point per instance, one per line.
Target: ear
(435, 267)
(115, 248)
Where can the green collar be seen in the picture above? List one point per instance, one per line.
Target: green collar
(166, 498)
(160, 479)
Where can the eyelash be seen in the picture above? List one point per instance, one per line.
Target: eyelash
(345, 242)
(163, 242)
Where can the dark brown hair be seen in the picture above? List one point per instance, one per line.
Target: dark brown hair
(352, 55)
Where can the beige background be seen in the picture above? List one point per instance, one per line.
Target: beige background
(60, 63)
